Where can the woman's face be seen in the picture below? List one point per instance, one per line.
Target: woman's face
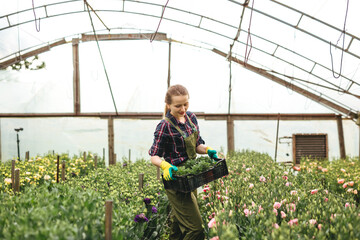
(179, 106)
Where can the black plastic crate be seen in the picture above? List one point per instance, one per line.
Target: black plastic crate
(190, 182)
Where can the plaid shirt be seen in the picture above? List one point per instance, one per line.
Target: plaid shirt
(168, 142)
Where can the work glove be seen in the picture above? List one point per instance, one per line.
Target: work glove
(212, 153)
(168, 168)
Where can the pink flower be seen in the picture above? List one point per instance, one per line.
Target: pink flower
(326, 199)
(275, 211)
(355, 192)
(341, 181)
(324, 170)
(248, 169)
(351, 183)
(275, 225)
(343, 170)
(347, 204)
(326, 191)
(215, 238)
(293, 222)
(247, 212)
(251, 186)
(293, 192)
(314, 191)
(286, 173)
(319, 226)
(344, 185)
(277, 205)
(292, 207)
(283, 214)
(285, 177)
(206, 189)
(262, 179)
(212, 223)
(312, 221)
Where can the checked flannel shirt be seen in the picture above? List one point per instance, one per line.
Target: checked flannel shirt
(168, 142)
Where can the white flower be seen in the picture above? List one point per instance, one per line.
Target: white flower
(47, 177)
(7, 180)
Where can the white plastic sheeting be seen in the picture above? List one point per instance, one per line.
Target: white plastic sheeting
(138, 70)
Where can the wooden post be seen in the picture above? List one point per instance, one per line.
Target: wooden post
(95, 161)
(141, 181)
(341, 137)
(230, 135)
(111, 140)
(27, 156)
(76, 75)
(63, 171)
(108, 219)
(84, 156)
(114, 160)
(13, 174)
(104, 154)
(158, 173)
(17, 180)
(129, 156)
(57, 168)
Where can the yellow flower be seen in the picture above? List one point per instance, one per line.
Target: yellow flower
(28, 173)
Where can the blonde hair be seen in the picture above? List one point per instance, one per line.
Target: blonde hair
(174, 90)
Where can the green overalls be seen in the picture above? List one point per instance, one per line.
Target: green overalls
(185, 214)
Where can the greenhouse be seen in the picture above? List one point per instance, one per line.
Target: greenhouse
(274, 85)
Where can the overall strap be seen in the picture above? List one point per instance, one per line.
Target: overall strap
(177, 128)
(191, 123)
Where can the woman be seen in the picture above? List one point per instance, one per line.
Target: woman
(177, 139)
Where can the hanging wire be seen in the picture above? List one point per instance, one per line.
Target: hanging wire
(102, 60)
(343, 44)
(154, 35)
(249, 37)
(36, 25)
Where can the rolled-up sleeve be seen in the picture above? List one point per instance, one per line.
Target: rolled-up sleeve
(160, 138)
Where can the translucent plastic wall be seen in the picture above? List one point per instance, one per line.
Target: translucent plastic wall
(138, 75)
(75, 135)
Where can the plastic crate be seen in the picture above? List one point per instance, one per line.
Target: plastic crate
(190, 182)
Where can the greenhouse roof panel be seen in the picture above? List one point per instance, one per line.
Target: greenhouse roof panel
(290, 39)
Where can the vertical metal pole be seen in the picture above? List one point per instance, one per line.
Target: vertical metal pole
(57, 168)
(230, 78)
(18, 145)
(168, 79)
(277, 136)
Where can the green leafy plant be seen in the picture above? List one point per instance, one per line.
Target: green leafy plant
(195, 166)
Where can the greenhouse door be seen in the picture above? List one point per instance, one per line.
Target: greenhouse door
(313, 146)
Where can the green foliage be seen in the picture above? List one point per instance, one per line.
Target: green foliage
(195, 166)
